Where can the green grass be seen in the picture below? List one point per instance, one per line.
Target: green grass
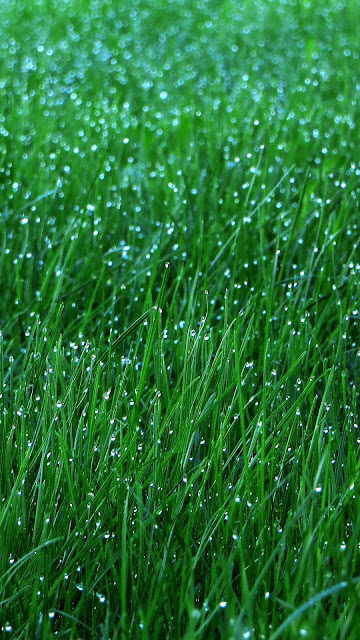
(179, 315)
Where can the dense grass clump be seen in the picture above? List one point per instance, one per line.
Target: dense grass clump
(179, 345)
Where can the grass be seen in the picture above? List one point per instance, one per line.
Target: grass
(179, 347)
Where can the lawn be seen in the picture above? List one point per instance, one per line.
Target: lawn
(179, 319)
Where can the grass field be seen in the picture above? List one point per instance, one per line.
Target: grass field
(179, 315)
